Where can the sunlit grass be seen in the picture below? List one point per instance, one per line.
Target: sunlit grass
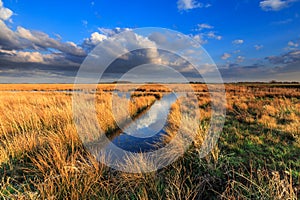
(257, 156)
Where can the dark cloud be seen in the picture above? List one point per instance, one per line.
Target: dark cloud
(24, 52)
(22, 39)
(282, 67)
(8, 39)
(288, 58)
(28, 53)
(139, 57)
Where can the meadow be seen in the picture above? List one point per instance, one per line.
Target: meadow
(256, 157)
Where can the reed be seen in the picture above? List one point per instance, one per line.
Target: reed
(42, 156)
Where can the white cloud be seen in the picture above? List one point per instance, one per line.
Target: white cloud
(97, 38)
(8, 38)
(240, 59)
(199, 38)
(239, 41)
(204, 26)
(5, 13)
(40, 40)
(110, 32)
(274, 5)
(206, 33)
(102, 34)
(202, 38)
(22, 56)
(213, 35)
(225, 56)
(292, 44)
(258, 47)
(35, 57)
(25, 33)
(190, 4)
(71, 44)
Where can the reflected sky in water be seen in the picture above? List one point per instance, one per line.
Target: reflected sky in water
(143, 133)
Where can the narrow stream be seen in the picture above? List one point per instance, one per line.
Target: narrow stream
(143, 134)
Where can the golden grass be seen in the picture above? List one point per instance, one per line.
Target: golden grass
(29, 120)
(42, 157)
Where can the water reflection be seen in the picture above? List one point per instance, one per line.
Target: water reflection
(143, 134)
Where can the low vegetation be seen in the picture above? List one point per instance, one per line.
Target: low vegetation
(257, 156)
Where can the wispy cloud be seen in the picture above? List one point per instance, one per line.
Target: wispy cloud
(190, 4)
(204, 26)
(238, 41)
(275, 5)
(281, 22)
(258, 47)
(212, 34)
(206, 33)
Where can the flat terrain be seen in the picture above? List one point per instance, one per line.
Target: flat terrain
(256, 157)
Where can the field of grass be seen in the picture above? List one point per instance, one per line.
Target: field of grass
(257, 156)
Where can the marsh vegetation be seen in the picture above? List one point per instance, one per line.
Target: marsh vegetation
(256, 157)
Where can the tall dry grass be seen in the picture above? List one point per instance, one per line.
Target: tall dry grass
(42, 157)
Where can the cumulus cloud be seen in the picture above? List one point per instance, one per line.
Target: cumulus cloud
(95, 39)
(24, 52)
(25, 67)
(238, 41)
(5, 13)
(36, 53)
(275, 5)
(23, 38)
(225, 56)
(40, 40)
(25, 59)
(100, 35)
(8, 38)
(148, 51)
(35, 57)
(190, 4)
(24, 49)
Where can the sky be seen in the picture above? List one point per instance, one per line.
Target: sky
(248, 40)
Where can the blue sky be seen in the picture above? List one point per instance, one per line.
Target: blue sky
(46, 41)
